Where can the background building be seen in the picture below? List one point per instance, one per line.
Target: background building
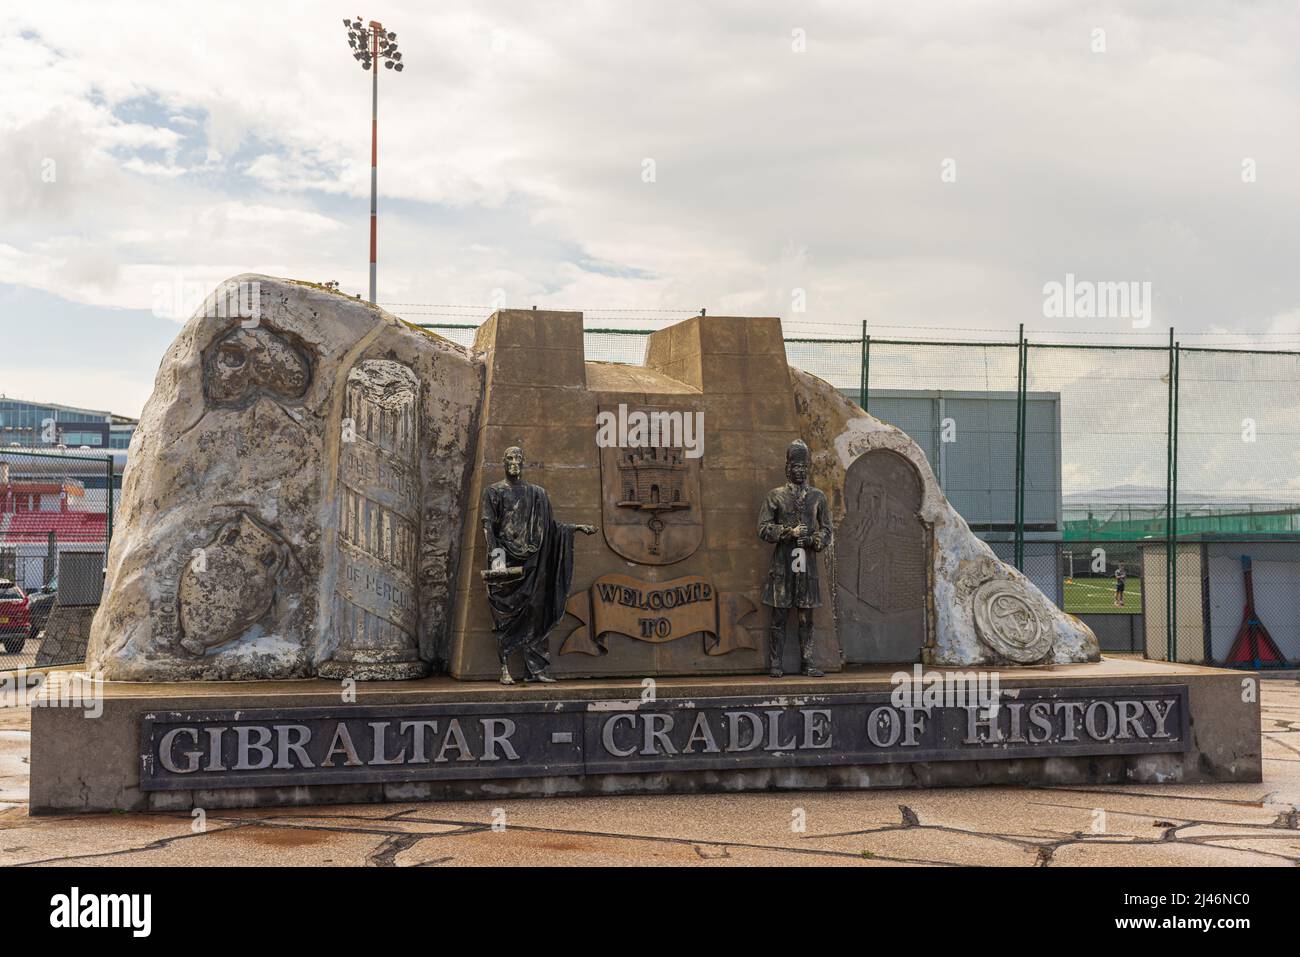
(48, 425)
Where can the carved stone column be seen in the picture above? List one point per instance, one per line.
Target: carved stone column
(375, 603)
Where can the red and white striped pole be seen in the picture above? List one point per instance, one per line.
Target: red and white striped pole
(372, 45)
(375, 29)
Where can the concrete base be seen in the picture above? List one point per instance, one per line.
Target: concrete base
(340, 669)
(83, 763)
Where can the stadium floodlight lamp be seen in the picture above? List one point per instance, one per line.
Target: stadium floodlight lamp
(370, 44)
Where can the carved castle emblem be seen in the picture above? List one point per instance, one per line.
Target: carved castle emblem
(650, 489)
(653, 479)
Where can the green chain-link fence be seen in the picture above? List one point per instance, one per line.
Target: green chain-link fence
(1124, 480)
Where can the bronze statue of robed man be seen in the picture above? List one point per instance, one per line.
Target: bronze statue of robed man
(530, 567)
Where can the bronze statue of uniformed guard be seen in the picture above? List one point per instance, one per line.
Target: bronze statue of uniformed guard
(796, 519)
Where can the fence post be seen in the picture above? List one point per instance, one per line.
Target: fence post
(864, 379)
(1173, 517)
(1169, 507)
(1018, 545)
(108, 528)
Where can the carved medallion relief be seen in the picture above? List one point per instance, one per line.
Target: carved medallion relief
(1010, 624)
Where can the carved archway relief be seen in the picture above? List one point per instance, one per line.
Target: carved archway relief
(882, 550)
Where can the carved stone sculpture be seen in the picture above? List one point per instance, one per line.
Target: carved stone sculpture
(244, 425)
(327, 556)
(882, 553)
(375, 606)
(979, 611)
(249, 362)
(229, 584)
(1009, 623)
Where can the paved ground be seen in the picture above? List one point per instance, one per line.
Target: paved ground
(1223, 824)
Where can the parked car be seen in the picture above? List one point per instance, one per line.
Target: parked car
(15, 618)
(39, 605)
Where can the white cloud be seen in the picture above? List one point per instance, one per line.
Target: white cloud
(522, 129)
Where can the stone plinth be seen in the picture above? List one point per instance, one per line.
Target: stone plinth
(1129, 722)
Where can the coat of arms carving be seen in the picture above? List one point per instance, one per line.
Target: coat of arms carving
(650, 484)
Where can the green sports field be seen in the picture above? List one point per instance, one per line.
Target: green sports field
(1094, 595)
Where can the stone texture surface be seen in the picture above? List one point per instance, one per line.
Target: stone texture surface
(1221, 824)
(225, 561)
(1025, 626)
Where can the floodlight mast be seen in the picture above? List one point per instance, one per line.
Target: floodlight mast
(370, 43)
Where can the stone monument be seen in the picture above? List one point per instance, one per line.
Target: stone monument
(318, 578)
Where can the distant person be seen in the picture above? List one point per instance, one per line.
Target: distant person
(1120, 576)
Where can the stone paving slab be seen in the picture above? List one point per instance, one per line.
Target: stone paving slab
(1215, 824)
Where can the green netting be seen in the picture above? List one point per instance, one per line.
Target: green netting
(959, 403)
(461, 335)
(1238, 435)
(838, 362)
(612, 345)
(1113, 436)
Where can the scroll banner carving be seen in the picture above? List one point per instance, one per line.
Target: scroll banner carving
(657, 612)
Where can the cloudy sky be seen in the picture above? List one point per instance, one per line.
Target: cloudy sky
(927, 167)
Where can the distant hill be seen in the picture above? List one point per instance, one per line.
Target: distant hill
(1155, 495)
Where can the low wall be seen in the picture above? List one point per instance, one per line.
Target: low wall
(141, 747)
